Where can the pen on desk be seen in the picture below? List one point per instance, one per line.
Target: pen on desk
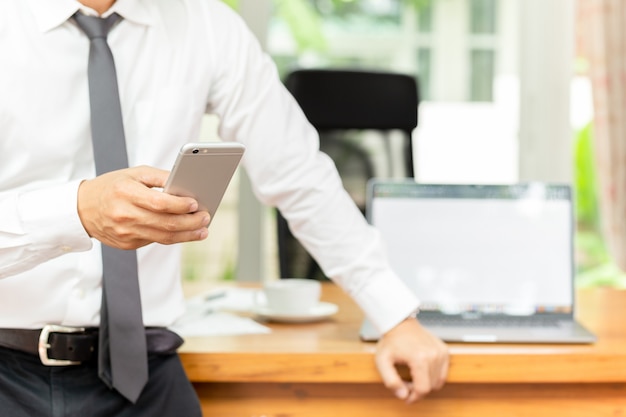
(198, 315)
(204, 311)
(215, 295)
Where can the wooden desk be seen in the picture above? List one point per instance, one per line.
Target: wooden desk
(322, 369)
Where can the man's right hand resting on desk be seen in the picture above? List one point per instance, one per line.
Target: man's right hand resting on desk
(426, 356)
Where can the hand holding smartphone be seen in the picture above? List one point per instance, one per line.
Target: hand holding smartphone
(203, 171)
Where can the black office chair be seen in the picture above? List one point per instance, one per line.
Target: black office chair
(365, 120)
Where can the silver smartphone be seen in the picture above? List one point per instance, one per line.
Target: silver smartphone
(203, 171)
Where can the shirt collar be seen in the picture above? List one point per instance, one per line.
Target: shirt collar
(52, 13)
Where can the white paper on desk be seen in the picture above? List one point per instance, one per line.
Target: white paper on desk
(209, 314)
(218, 324)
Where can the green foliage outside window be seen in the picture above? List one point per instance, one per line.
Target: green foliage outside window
(594, 264)
(232, 3)
(304, 17)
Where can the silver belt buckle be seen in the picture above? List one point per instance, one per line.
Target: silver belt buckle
(44, 344)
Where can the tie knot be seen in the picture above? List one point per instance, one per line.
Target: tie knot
(95, 27)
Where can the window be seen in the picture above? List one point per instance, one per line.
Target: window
(481, 74)
(483, 16)
(424, 64)
(425, 17)
(453, 48)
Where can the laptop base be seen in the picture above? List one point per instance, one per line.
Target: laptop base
(566, 333)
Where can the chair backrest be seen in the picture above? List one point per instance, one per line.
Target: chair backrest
(365, 120)
(349, 99)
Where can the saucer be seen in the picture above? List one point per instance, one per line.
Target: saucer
(319, 312)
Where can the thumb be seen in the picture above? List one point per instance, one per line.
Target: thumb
(150, 176)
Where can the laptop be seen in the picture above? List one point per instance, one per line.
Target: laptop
(489, 263)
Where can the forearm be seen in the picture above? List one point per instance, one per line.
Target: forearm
(288, 171)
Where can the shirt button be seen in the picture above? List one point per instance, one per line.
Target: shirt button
(66, 249)
(80, 294)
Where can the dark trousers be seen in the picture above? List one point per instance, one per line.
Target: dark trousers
(30, 389)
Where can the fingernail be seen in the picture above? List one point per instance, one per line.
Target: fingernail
(193, 207)
(204, 233)
(205, 220)
(402, 393)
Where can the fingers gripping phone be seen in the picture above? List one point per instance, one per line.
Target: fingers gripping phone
(203, 171)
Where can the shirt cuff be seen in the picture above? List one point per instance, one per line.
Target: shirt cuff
(386, 301)
(50, 216)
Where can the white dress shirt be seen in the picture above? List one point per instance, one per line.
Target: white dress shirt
(176, 60)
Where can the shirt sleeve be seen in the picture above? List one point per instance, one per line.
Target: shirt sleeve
(287, 171)
(39, 225)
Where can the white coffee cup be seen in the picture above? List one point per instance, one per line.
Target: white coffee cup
(292, 296)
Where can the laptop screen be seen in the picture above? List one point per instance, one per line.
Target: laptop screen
(484, 248)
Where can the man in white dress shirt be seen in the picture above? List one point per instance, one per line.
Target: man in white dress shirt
(175, 60)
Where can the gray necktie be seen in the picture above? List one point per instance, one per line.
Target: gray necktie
(122, 354)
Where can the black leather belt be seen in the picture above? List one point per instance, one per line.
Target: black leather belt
(61, 345)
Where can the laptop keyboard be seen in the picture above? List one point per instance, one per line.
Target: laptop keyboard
(454, 321)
